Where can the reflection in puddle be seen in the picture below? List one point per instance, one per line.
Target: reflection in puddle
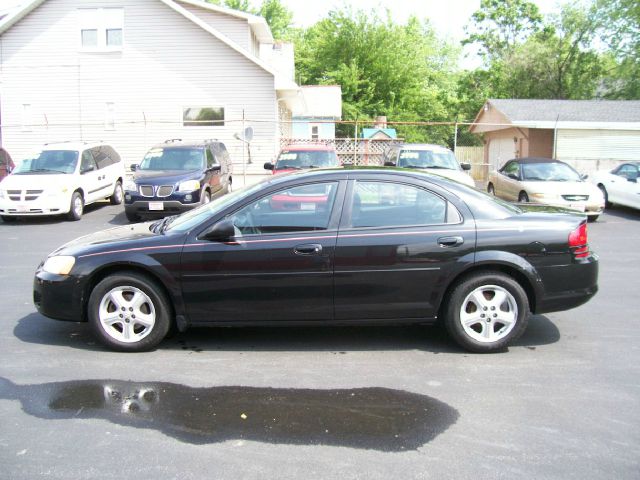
(369, 418)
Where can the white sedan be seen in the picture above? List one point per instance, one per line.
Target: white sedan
(620, 185)
(546, 181)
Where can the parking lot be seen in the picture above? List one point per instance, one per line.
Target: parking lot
(370, 402)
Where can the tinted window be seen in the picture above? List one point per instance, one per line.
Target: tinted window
(211, 160)
(101, 157)
(295, 209)
(88, 162)
(384, 204)
(512, 168)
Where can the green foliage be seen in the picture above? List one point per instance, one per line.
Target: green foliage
(277, 16)
(500, 25)
(402, 71)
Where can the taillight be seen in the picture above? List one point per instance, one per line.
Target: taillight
(578, 242)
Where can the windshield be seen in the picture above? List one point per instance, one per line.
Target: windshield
(48, 161)
(549, 172)
(192, 218)
(301, 159)
(427, 159)
(173, 158)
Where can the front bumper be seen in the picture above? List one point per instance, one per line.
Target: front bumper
(43, 205)
(58, 296)
(177, 202)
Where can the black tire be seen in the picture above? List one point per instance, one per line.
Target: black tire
(523, 197)
(476, 337)
(491, 190)
(154, 305)
(8, 218)
(206, 197)
(592, 218)
(132, 217)
(118, 194)
(76, 207)
(605, 194)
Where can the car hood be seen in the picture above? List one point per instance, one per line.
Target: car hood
(112, 237)
(165, 177)
(34, 181)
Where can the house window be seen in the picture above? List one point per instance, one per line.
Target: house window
(315, 132)
(109, 116)
(101, 28)
(26, 117)
(203, 116)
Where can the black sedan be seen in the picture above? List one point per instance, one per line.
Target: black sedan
(342, 246)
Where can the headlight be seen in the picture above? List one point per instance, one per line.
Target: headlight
(59, 265)
(189, 186)
(130, 186)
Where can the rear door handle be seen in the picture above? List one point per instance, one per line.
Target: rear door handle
(308, 249)
(450, 241)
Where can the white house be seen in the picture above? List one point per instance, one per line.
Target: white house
(138, 72)
(314, 117)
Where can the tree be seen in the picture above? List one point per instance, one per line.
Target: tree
(277, 16)
(402, 71)
(500, 25)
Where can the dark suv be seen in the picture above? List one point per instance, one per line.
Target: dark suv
(176, 176)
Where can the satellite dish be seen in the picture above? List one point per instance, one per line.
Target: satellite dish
(248, 134)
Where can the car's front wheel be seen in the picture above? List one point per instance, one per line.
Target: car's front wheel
(605, 194)
(76, 207)
(523, 197)
(491, 189)
(486, 312)
(129, 312)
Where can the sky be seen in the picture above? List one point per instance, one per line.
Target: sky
(448, 17)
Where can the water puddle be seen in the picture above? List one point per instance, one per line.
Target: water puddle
(366, 418)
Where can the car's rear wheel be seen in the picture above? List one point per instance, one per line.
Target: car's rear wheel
(129, 312)
(523, 197)
(491, 190)
(605, 194)
(118, 194)
(592, 218)
(486, 312)
(76, 207)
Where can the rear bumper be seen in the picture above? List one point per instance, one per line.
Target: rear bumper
(581, 276)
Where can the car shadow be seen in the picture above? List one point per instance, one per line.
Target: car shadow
(35, 328)
(119, 219)
(54, 219)
(619, 212)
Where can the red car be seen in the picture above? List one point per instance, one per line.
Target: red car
(6, 164)
(302, 157)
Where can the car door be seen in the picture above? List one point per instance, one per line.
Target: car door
(214, 171)
(397, 245)
(90, 177)
(627, 191)
(103, 157)
(510, 186)
(278, 268)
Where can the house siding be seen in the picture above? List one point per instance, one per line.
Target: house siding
(166, 63)
(234, 28)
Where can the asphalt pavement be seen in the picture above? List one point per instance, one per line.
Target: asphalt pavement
(330, 403)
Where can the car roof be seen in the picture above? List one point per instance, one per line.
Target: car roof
(308, 147)
(425, 146)
(72, 145)
(535, 160)
(178, 143)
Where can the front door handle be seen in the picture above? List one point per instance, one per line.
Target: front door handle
(447, 242)
(308, 249)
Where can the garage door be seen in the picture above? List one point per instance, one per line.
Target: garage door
(500, 150)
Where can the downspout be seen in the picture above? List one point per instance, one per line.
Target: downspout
(555, 137)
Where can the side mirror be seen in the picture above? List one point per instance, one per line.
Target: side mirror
(584, 176)
(389, 164)
(220, 232)
(133, 167)
(269, 166)
(465, 166)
